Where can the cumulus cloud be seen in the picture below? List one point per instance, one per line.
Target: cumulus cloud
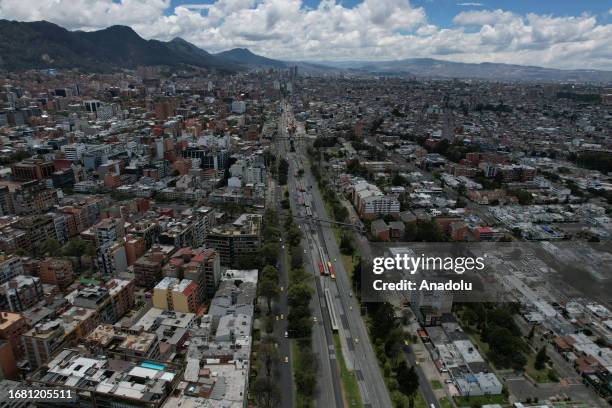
(372, 29)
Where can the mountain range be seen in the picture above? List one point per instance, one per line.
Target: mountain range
(433, 68)
(41, 44)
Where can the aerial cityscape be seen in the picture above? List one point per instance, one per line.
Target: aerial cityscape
(304, 203)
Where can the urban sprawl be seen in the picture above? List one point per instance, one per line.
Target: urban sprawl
(185, 238)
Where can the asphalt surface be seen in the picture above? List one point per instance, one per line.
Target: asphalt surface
(359, 352)
(329, 389)
(285, 376)
(424, 385)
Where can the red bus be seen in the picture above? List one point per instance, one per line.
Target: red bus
(331, 270)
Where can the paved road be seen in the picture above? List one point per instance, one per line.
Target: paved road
(364, 250)
(424, 385)
(329, 389)
(372, 387)
(285, 376)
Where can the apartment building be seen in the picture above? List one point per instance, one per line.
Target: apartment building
(176, 295)
(20, 293)
(203, 266)
(12, 327)
(45, 339)
(55, 271)
(111, 301)
(239, 239)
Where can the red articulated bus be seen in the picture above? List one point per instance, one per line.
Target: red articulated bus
(331, 270)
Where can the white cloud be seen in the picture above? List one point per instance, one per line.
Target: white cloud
(470, 4)
(370, 30)
(84, 14)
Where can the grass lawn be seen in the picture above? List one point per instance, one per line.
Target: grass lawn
(481, 400)
(445, 403)
(349, 381)
(347, 260)
(540, 376)
(436, 385)
(419, 401)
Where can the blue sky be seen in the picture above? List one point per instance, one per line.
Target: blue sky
(441, 12)
(565, 34)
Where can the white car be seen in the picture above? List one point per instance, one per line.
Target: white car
(286, 334)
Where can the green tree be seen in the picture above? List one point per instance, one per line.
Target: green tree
(269, 290)
(51, 247)
(524, 197)
(283, 171)
(346, 244)
(266, 392)
(294, 235)
(269, 272)
(299, 294)
(299, 327)
(398, 180)
(269, 253)
(383, 320)
(541, 359)
(407, 379)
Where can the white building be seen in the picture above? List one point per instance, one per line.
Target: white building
(74, 152)
(239, 107)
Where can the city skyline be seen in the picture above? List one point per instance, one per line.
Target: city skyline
(547, 34)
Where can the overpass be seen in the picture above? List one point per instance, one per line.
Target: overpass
(358, 227)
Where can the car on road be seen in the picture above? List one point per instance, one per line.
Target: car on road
(286, 359)
(314, 318)
(286, 334)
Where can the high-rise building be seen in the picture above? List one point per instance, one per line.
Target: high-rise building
(148, 268)
(74, 152)
(55, 271)
(202, 266)
(10, 266)
(111, 301)
(20, 293)
(240, 239)
(12, 326)
(45, 339)
(177, 295)
(32, 169)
